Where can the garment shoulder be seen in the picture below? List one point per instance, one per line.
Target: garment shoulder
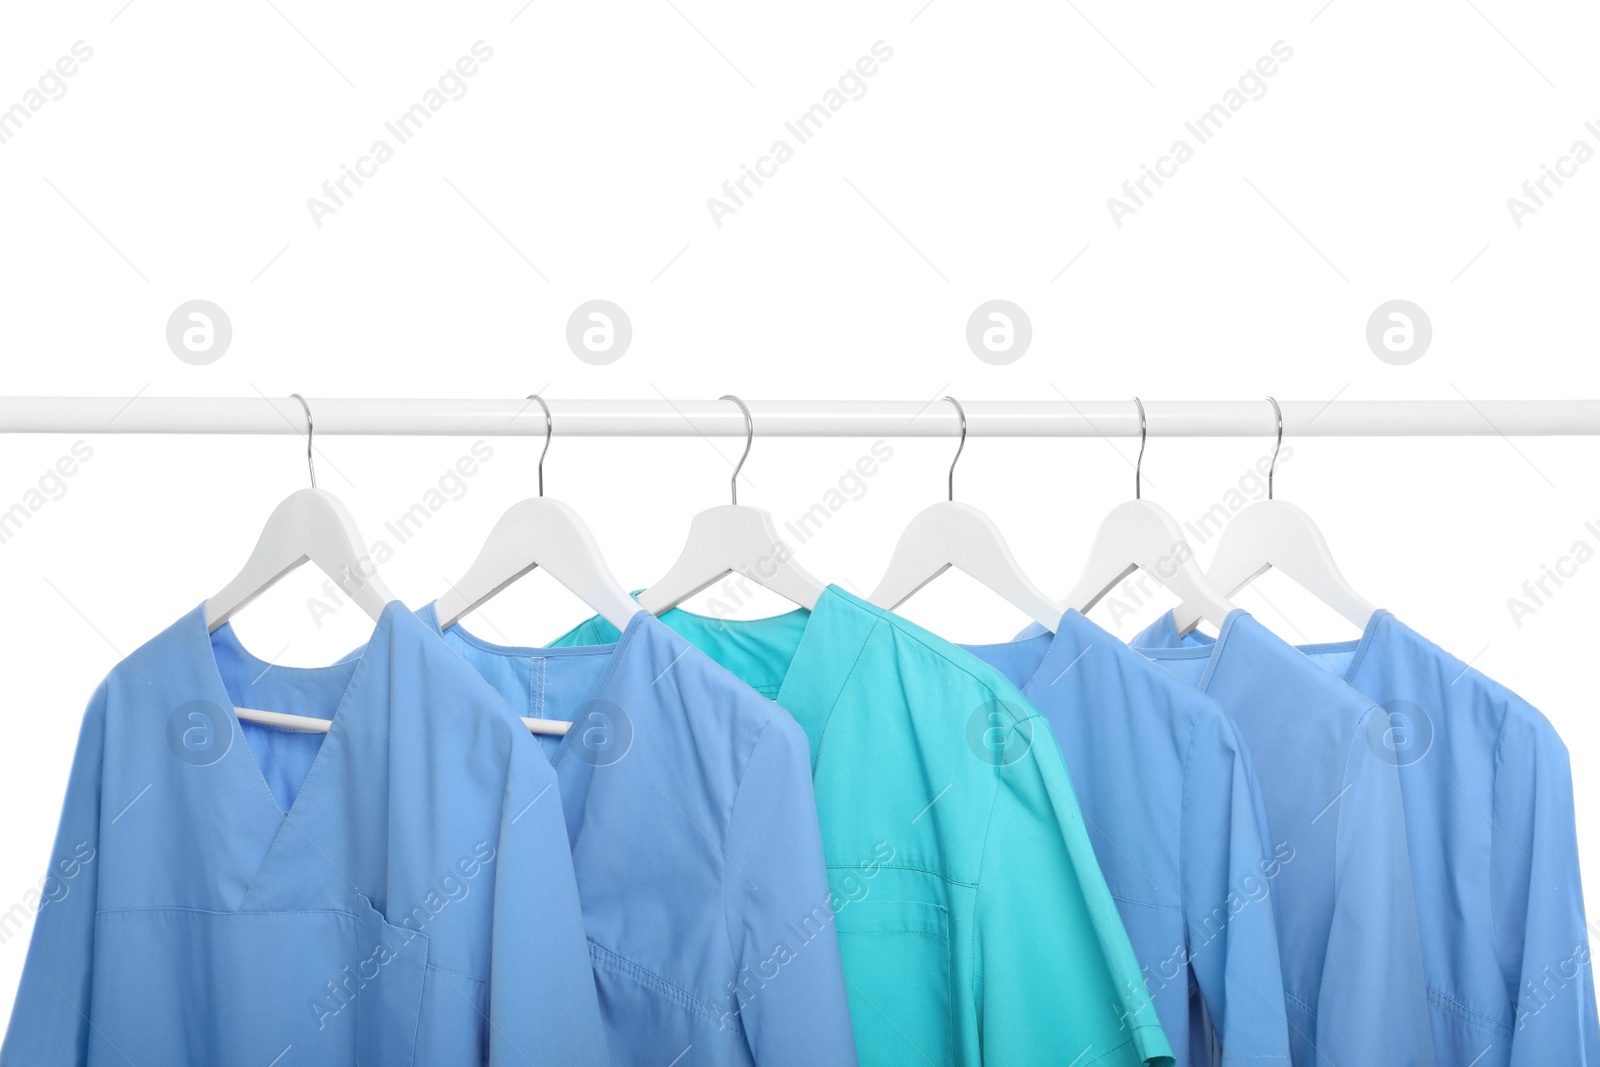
(954, 664)
(1527, 741)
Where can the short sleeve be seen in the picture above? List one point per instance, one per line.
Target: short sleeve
(780, 920)
(1373, 1005)
(50, 1018)
(1056, 975)
(542, 1000)
(1538, 900)
(1229, 866)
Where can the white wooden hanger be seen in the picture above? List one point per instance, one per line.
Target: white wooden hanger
(1139, 535)
(540, 532)
(733, 539)
(1274, 533)
(948, 534)
(311, 524)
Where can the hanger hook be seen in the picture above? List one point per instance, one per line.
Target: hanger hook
(951, 481)
(749, 439)
(311, 431)
(549, 430)
(1272, 470)
(1138, 466)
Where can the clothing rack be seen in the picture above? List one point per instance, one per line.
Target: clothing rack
(799, 418)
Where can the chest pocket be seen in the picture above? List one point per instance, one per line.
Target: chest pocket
(181, 986)
(897, 965)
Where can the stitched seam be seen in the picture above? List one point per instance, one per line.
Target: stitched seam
(1467, 1015)
(1183, 812)
(1494, 912)
(456, 974)
(357, 675)
(1368, 639)
(903, 627)
(1301, 1004)
(905, 867)
(541, 670)
(1118, 1048)
(227, 914)
(689, 1002)
(847, 929)
(977, 890)
(838, 693)
(727, 836)
(1142, 904)
(608, 674)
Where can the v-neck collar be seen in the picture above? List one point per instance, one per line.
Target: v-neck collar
(1206, 648)
(1198, 644)
(1072, 637)
(617, 651)
(203, 649)
(1359, 647)
(831, 608)
(822, 658)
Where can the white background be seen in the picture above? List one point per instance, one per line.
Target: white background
(1377, 164)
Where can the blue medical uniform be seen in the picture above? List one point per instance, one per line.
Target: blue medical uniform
(694, 836)
(396, 891)
(1347, 916)
(1172, 805)
(1494, 853)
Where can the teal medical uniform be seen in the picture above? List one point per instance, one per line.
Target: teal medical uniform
(973, 920)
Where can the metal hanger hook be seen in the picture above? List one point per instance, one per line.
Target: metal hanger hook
(549, 431)
(749, 439)
(1138, 466)
(311, 431)
(1272, 470)
(951, 481)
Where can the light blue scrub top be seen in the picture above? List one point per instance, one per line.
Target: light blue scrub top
(222, 893)
(694, 835)
(1494, 853)
(1347, 916)
(1172, 805)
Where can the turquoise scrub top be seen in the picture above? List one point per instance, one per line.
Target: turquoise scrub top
(1347, 916)
(1494, 853)
(396, 891)
(974, 922)
(1172, 804)
(695, 842)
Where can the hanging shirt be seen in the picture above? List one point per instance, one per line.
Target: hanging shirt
(1347, 917)
(694, 837)
(974, 922)
(1494, 853)
(1172, 805)
(394, 891)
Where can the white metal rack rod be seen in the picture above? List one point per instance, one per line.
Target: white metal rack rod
(798, 418)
